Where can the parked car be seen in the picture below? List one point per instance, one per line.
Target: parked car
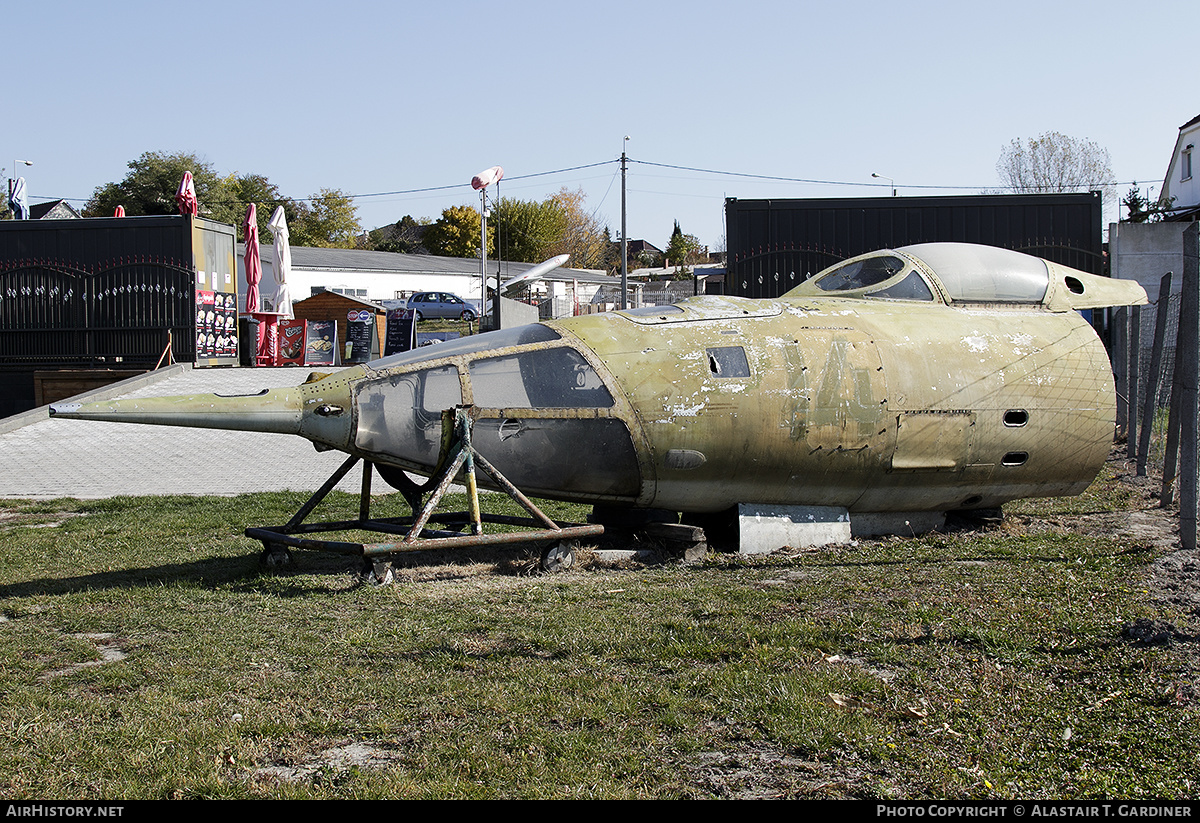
(428, 304)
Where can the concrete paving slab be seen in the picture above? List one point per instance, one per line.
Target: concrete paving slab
(49, 458)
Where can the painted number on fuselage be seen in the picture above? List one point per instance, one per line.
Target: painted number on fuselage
(846, 408)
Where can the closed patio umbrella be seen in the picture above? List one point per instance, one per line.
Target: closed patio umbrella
(186, 196)
(283, 263)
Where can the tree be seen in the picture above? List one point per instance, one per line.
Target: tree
(405, 236)
(244, 189)
(456, 234)
(149, 188)
(1142, 210)
(683, 250)
(612, 253)
(528, 230)
(329, 220)
(583, 237)
(1053, 163)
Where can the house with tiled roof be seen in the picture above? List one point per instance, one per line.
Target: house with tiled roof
(1181, 186)
(53, 210)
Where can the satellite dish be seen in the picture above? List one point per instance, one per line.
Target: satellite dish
(540, 269)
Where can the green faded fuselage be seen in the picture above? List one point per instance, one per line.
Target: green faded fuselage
(935, 377)
(871, 405)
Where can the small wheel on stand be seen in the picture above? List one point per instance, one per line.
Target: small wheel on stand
(377, 572)
(275, 556)
(559, 556)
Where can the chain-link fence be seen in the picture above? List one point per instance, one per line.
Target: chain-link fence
(1155, 360)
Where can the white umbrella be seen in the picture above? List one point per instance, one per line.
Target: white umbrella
(283, 263)
(18, 200)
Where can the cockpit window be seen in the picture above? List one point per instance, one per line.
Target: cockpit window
(912, 287)
(858, 274)
(556, 378)
(401, 414)
(519, 335)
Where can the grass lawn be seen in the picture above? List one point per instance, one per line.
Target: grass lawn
(144, 654)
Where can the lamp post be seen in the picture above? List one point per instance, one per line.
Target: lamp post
(891, 182)
(480, 182)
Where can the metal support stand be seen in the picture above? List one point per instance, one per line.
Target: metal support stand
(417, 536)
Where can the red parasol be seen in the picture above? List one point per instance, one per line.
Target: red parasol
(253, 261)
(186, 196)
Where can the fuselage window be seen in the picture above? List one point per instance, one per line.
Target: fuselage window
(861, 273)
(912, 287)
(401, 414)
(728, 361)
(557, 378)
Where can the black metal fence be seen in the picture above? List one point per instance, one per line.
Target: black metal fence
(774, 245)
(114, 312)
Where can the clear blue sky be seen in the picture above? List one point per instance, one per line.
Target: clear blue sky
(389, 97)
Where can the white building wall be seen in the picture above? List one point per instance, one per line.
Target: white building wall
(380, 286)
(1186, 191)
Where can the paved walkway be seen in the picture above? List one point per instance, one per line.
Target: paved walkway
(50, 458)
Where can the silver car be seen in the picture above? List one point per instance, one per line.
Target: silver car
(428, 304)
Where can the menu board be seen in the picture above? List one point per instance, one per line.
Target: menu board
(216, 293)
(401, 329)
(320, 343)
(360, 336)
(216, 324)
(291, 342)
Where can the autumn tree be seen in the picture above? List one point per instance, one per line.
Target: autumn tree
(583, 236)
(1055, 163)
(456, 233)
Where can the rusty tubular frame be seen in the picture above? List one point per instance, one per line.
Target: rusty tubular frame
(461, 455)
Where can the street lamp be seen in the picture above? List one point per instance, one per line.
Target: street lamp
(890, 181)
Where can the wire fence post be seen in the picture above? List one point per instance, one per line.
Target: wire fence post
(1119, 332)
(1160, 332)
(1189, 370)
(1135, 360)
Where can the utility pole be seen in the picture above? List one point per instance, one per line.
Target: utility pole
(624, 236)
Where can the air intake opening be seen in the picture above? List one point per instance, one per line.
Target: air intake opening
(1014, 459)
(1073, 284)
(1014, 418)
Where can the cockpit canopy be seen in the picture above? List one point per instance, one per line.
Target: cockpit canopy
(952, 273)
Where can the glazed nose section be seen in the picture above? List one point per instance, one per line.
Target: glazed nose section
(399, 416)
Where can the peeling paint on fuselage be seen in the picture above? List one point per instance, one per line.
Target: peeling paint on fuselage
(816, 421)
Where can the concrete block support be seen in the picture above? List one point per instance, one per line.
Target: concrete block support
(902, 524)
(764, 528)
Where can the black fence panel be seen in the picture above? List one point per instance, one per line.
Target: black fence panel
(56, 313)
(774, 245)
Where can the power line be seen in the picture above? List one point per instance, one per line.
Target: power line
(698, 170)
